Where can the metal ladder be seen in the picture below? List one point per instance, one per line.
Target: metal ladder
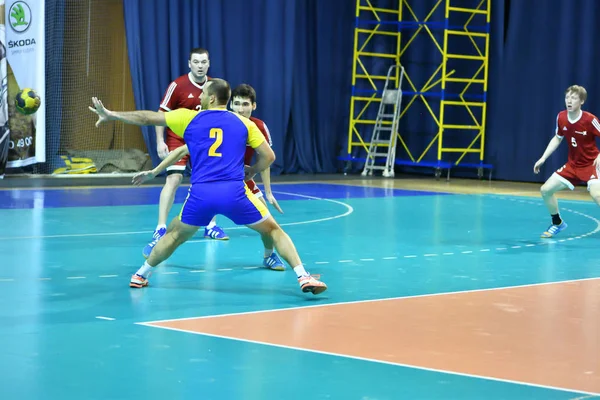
(385, 135)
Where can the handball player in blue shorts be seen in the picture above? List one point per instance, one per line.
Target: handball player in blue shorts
(216, 141)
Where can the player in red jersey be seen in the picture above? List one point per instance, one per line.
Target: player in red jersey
(183, 92)
(243, 102)
(583, 165)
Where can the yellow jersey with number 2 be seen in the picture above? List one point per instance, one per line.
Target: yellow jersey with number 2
(217, 140)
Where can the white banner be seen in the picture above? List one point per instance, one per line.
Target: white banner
(25, 53)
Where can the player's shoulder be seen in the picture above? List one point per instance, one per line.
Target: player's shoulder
(246, 121)
(588, 116)
(561, 115)
(259, 122)
(181, 80)
(182, 115)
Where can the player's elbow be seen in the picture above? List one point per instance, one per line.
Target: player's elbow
(267, 153)
(271, 157)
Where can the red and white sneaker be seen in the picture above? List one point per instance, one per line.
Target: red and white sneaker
(310, 283)
(138, 281)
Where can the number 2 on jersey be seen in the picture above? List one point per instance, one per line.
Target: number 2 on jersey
(217, 134)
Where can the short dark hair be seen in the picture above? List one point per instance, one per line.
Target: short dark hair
(198, 50)
(220, 89)
(246, 91)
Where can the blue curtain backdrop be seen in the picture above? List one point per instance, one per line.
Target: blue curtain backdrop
(546, 47)
(298, 56)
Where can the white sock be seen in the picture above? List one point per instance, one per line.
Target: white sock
(160, 226)
(145, 270)
(211, 225)
(268, 252)
(300, 271)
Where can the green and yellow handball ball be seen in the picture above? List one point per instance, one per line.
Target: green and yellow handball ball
(27, 101)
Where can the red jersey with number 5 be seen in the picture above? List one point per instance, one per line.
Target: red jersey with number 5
(183, 92)
(581, 137)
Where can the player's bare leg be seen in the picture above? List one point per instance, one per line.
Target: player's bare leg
(165, 203)
(594, 189)
(272, 234)
(548, 190)
(177, 234)
(167, 197)
(270, 258)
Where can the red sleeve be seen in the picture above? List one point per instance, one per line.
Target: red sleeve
(169, 101)
(557, 131)
(266, 133)
(595, 126)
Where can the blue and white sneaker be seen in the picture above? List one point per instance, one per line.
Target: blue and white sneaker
(155, 238)
(274, 262)
(553, 230)
(215, 233)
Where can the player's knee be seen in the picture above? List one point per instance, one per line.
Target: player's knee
(267, 227)
(174, 180)
(546, 190)
(177, 236)
(595, 192)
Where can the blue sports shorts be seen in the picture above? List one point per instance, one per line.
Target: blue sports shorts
(231, 199)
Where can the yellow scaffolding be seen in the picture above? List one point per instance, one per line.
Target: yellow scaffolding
(460, 37)
(379, 39)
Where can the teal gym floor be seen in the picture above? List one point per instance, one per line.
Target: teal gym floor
(431, 296)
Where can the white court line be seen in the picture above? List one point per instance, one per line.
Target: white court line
(411, 366)
(152, 325)
(105, 318)
(416, 296)
(349, 210)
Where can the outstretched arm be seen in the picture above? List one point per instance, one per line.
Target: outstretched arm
(139, 117)
(172, 158)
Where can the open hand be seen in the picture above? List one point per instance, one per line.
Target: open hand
(271, 199)
(142, 177)
(162, 150)
(249, 174)
(538, 165)
(99, 109)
